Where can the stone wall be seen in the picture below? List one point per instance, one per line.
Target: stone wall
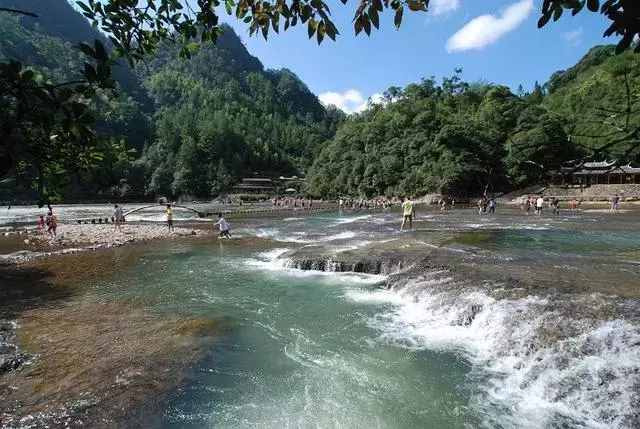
(595, 192)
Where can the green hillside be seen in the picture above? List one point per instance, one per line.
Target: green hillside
(188, 126)
(221, 115)
(464, 138)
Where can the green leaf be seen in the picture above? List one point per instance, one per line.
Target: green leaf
(544, 19)
(367, 24)
(84, 7)
(101, 52)
(87, 50)
(373, 14)
(416, 5)
(557, 13)
(193, 47)
(358, 24)
(397, 19)
(320, 36)
(311, 27)
(90, 73)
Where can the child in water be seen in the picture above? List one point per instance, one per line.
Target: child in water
(52, 224)
(224, 227)
(41, 224)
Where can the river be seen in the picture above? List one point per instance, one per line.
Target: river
(507, 321)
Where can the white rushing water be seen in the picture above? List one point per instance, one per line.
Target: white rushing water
(533, 363)
(533, 366)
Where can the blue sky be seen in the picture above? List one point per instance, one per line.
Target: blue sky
(492, 40)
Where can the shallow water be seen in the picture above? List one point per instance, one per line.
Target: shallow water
(459, 348)
(70, 213)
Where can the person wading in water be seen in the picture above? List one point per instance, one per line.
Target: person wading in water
(169, 213)
(408, 213)
(224, 227)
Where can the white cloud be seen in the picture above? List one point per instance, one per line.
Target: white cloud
(487, 29)
(349, 101)
(440, 7)
(573, 38)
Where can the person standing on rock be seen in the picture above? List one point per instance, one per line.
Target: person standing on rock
(169, 213)
(408, 213)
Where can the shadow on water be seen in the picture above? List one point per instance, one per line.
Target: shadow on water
(23, 288)
(93, 359)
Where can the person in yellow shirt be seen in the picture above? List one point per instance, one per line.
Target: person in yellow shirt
(169, 213)
(408, 212)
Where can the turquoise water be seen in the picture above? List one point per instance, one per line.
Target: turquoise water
(522, 322)
(315, 349)
(297, 348)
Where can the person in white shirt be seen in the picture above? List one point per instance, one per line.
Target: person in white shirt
(224, 227)
(539, 205)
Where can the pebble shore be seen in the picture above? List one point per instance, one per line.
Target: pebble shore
(72, 238)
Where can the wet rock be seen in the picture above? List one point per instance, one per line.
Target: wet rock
(10, 356)
(337, 266)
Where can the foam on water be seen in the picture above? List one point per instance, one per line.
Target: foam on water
(341, 236)
(275, 234)
(352, 219)
(301, 237)
(533, 366)
(271, 261)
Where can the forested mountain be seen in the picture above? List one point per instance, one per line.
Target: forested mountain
(220, 115)
(188, 126)
(464, 138)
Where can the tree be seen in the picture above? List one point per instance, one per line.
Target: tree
(539, 144)
(48, 127)
(599, 102)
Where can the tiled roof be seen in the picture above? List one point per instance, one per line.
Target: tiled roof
(600, 164)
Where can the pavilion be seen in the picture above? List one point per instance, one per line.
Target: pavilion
(596, 173)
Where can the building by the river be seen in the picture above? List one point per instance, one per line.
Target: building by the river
(596, 173)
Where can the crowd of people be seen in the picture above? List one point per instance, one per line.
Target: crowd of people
(48, 224)
(362, 203)
(292, 202)
(487, 205)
